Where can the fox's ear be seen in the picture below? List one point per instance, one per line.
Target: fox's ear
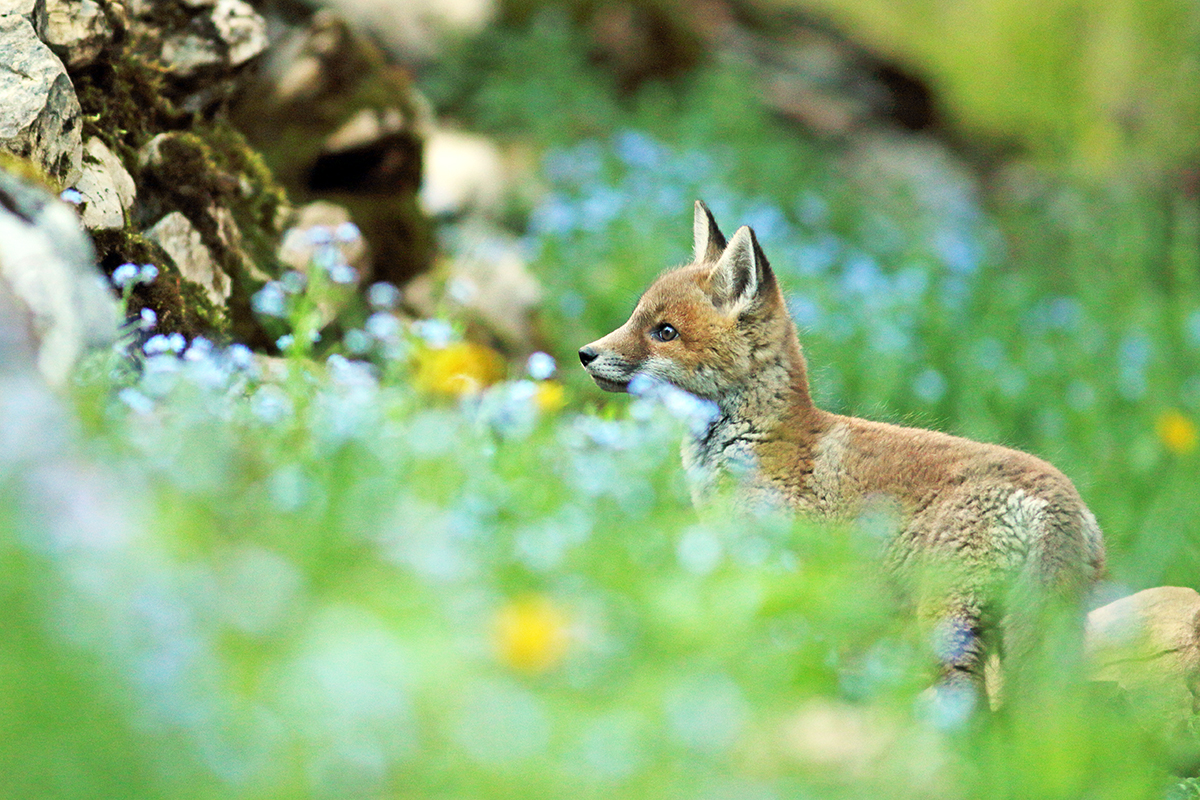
(742, 272)
(708, 242)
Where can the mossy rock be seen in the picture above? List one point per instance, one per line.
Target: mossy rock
(206, 165)
(377, 179)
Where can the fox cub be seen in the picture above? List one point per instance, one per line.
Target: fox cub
(987, 518)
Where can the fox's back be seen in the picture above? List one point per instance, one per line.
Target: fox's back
(989, 504)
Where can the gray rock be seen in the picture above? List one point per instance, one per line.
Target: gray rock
(47, 262)
(237, 34)
(32, 10)
(76, 30)
(1149, 645)
(107, 188)
(176, 234)
(40, 115)
(242, 30)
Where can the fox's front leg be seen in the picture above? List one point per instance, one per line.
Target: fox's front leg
(958, 637)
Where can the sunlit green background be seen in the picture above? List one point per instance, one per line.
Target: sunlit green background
(346, 578)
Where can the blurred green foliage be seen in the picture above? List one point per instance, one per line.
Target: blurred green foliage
(1105, 87)
(228, 577)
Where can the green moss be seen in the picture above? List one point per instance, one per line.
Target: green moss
(28, 171)
(378, 185)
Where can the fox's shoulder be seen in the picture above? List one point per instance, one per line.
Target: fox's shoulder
(828, 462)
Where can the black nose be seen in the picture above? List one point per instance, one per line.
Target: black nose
(587, 355)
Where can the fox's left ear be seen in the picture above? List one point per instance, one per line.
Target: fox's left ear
(708, 241)
(742, 273)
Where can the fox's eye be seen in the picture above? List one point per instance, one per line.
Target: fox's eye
(664, 333)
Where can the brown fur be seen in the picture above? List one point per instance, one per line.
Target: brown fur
(987, 516)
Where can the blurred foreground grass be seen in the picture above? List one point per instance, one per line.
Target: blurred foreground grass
(360, 578)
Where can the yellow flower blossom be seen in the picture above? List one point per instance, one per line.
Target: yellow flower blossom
(550, 396)
(1177, 432)
(531, 634)
(457, 369)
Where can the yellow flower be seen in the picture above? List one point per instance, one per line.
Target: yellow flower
(461, 368)
(1177, 432)
(550, 396)
(531, 634)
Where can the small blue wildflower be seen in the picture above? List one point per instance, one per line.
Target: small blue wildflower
(239, 356)
(805, 312)
(136, 400)
(176, 343)
(1191, 329)
(436, 333)
(200, 348)
(929, 386)
(383, 296)
(270, 404)
(602, 207)
(638, 150)
(1064, 313)
(357, 341)
(540, 366)
(148, 319)
(156, 345)
(147, 273)
(319, 235)
(1080, 396)
(1133, 357)
(343, 273)
(958, 251)
(347, 232)
(382, 326)
(286, 341)
(768, 221)
(125, 275)
(72, 196)
(554, 216)
(269, 300)
(327, 257)
(293, 282)
(813, 210)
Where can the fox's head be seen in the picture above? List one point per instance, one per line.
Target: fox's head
(708, 327)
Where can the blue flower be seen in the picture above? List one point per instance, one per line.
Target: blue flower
(319, 235)
(383, 296)
(136, 400)
(72, 196)
(147, 273)
(382, 326)
(148, 319)
(270, 300)
(638, 150)
(125, 275)
(347, 232)
(541, 366)
(929, 386)
(343, 273)
(293, 282)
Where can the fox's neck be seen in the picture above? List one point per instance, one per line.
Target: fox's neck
(776, 391)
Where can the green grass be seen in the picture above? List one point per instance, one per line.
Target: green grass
(224, 579)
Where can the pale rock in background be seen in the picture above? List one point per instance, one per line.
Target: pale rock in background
(76, 30)
(463, 172)
(183, 243)
(108, 189)
(1149, 645)
(47, 263)
(40, 115)
(414, 27)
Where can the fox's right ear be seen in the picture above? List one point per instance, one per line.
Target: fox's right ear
(741, 273)
(708, 242)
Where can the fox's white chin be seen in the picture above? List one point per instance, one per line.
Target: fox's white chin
(611, 386)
